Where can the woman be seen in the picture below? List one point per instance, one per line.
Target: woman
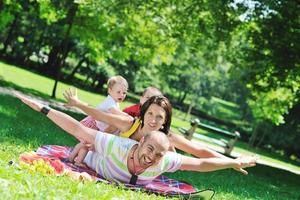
(155, 114)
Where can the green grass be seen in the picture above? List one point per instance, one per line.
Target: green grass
(22, 129)
(26, 81)
(225, 109)
(33, 130)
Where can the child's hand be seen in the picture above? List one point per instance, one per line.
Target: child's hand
(90, 147)
(31, 103)
(71, 97)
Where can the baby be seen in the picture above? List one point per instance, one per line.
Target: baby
(117, 90)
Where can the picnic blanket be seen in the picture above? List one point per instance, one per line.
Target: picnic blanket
(56, 156)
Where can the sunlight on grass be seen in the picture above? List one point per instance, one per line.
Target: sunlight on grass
(26, 79)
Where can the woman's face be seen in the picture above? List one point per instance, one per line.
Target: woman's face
(154, 118)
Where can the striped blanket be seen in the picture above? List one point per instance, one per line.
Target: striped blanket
(162, 185)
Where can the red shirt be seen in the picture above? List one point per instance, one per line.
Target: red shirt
(133, 110)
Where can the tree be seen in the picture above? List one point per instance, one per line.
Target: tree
(269, 66)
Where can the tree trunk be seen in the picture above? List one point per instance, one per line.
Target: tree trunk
(1, 6)
(253, 137)
(179, 97)
(94, 84)
(64, 46)
(71, 76)
(10, 34)
(87, 79)
(183, 97)
(261, 140)
(51, 65)
(54, 89)
(189, 110)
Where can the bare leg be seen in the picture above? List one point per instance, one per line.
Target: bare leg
(75, 151)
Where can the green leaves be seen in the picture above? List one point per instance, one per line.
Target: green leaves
(272, 105)
(49, 13)
(5, 18)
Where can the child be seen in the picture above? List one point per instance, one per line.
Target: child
(117, 90)
(134, 110)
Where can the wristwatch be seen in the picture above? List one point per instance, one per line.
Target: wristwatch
(45, 110)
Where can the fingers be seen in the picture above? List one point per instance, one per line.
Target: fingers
(21, 97)
(244, 162)
(252, 160)
(29, 102)
(70, 96)
(16, 94)
(70, 93)
(247, 161)
(75, 91)
(66, 105)
(243, 171)
(65, 95)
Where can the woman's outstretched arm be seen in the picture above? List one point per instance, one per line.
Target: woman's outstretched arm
(62, 120)
(122, 122)
(192, 148)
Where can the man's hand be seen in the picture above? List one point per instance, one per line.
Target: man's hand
(71, 97)
(244, 162)
(31, 103)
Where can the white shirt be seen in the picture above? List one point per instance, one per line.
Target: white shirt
(107, 104)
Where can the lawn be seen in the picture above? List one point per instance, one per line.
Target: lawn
(40, 85)
(22, 129)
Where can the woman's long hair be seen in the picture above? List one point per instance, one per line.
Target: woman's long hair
(163, 102)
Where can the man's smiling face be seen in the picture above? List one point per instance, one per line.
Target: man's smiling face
(152, 148)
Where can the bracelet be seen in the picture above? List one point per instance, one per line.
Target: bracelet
(45, 110)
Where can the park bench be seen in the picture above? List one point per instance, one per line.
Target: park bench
(226, 144)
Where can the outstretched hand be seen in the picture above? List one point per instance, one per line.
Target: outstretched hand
(244, 162)
(31, 103)
(71, 97)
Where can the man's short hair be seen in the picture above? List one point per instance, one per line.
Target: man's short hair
(159, 134)
(116, 79)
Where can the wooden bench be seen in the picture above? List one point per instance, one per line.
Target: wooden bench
(226, 144)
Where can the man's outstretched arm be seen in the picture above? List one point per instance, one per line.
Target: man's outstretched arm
(196, 149)
(62, 120)
(213, 164)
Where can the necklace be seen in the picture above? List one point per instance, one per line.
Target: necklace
(134, 176)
